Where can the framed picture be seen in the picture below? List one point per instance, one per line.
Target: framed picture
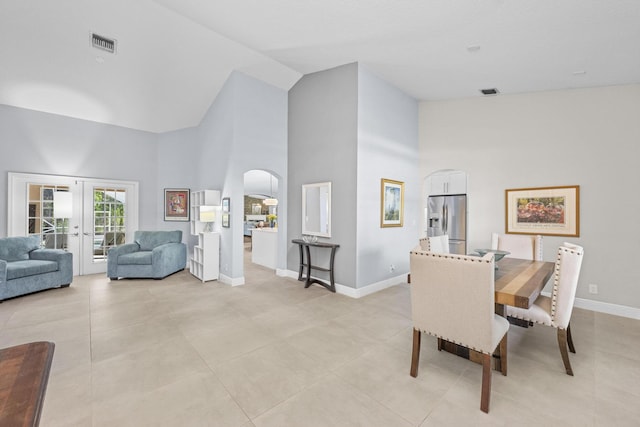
(176, 204)
(549, 211)
(226, 208)
(391, 203)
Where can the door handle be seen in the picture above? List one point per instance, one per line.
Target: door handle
(75, 234)
(85, 233)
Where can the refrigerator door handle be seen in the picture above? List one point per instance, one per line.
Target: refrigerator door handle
(445, 219)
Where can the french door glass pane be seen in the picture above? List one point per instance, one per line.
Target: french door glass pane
(41, 222)
(108, 220)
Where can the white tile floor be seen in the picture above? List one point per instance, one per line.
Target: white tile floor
(178, 352)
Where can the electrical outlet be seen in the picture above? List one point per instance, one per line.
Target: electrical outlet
(392, 268)
(593, 289)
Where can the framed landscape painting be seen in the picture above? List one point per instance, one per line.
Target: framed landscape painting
(176, 204)
(549, 211)
(391, 203)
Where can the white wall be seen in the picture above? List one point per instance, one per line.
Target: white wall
(43, 143)
(322, 147)
(351, 128)
(387, 148)
(245, 128)
(586, 137)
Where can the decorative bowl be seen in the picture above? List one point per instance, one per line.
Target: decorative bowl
(310, 239)
(497, 254)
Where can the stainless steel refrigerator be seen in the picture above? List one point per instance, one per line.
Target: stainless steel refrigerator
(448, 215)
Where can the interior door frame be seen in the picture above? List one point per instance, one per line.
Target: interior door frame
(17, 209)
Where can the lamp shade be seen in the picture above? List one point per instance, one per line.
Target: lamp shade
(207, 214)
(270, 202)
(62, 204)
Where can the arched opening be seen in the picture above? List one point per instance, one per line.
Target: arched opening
(260, 220)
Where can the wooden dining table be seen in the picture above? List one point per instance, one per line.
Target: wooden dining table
(518, 282)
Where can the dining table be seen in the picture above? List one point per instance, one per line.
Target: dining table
(518, 282)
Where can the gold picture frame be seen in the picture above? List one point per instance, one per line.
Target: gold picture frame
(548, 211)
(391, 203)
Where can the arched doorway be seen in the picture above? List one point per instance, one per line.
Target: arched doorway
(260, 219)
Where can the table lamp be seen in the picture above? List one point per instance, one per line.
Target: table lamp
(208, 216)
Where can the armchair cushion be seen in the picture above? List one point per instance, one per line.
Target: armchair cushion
(24, 268)
(135, 258)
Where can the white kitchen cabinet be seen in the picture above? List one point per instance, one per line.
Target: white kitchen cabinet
(264, 246)
(205, 262)
(447, 182)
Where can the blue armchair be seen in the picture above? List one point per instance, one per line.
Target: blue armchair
(25, 268)
(153, 254)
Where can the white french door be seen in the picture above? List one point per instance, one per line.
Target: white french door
(102, 214)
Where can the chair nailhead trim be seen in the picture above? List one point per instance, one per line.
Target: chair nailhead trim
(453, 341)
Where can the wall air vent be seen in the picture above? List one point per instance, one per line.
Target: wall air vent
(103, 43)
(492, 91)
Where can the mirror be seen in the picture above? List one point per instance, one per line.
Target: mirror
(316, 209)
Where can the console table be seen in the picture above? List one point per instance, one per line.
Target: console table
(24, 373)
(306, 262)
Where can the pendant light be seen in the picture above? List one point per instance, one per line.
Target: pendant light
(271, 201)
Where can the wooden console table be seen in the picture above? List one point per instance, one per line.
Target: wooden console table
(24, 373)
(309, 265)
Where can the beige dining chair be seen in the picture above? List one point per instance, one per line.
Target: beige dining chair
(519, 246)
(437, 244)
(555, 311)
(452, 298)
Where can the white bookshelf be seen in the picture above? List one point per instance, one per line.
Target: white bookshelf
(201, 198)
(205, 262)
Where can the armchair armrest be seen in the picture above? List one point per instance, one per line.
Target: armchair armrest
(168, 257)
(127, 248)
(49, 254)
(166, 251)
(3, 271)
(63, 258)
(114, 253)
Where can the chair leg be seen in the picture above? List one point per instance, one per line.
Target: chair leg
(486, 383)
(572, 349)
(562, 343)
(415, 355)
(503, 355)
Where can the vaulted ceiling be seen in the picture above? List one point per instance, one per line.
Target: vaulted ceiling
(173, 56)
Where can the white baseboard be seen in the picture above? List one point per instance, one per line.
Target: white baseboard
(587, 304)
(359, 292)
(605, 307)
(237, 281)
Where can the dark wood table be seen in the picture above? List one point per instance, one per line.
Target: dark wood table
(24, 373)
(306, 262)
(518, 282)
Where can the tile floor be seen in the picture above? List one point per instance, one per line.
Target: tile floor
(178, 352)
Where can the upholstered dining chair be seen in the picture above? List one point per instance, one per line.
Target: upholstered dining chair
(555, 311)
(519, 246)
(452, 298)
(437, 244)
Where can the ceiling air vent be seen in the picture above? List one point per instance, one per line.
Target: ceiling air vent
(103, 43)
(492, 91)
